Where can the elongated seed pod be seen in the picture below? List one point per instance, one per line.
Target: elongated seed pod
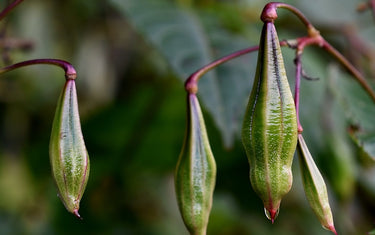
(68, 155)
(314, 186)
(269, 131)
(196, 172)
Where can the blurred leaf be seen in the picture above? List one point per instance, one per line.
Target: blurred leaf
(334, 12)
(366, 141)
(359, 108)
(187, 46)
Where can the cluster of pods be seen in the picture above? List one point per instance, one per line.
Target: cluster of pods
(270, 137)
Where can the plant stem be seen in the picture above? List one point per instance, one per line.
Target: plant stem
(70, 72)
(314, 38)
(269, 14)
(298, 64)
(357, 75)
(191, 84)
(9, 8)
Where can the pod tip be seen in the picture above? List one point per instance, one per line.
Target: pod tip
(332, 229)
(271, 214)
(75, 212)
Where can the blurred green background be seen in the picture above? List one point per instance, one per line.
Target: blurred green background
(132, 57)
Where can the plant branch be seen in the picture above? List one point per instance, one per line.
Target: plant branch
(191, 84)
(298, 64)
(9, 8)
(314, 38)
(345, 62)
(269, 14)
(70, 72)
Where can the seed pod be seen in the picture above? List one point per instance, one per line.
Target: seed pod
(68, 154)
(269, 131)
(196, 172)
(314, 186)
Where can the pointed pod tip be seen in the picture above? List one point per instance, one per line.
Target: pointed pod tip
(332, 229)
(75, 212)
(271, 214)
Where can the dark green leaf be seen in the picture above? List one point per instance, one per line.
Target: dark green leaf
(181, 37)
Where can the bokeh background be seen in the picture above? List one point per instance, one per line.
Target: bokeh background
(132, 57)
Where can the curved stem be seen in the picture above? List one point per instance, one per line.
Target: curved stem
(70, 72)
(191, 84)
(321, 42)
(358, 76)
(269, 14)
(9, 8)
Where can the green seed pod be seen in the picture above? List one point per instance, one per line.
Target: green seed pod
(68, 154)
(196, 172)
(314, 186)
(269, 131)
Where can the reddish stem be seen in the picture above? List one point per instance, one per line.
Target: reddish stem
(345, 62)
(269, 14)
(298, 64)
(321, 42)
(9, 8)
(191, 84)
(70, 72)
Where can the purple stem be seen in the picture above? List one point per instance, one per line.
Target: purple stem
(269, 13)
(191, 84)
(70, 72)
(298, 64)
(357, 75)
(9, 8)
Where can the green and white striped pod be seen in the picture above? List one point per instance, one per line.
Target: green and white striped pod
(269, 131)
(68, 155)
(314, 186)
(196, 172)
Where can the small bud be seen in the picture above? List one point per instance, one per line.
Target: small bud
(68, 155)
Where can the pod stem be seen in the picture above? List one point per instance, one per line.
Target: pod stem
(191, 84)
(269, 14)
(298, 64)
(9, 8)
(345, 62)
(70, 72)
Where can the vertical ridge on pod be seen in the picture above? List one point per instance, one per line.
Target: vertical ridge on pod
(195, 172)
(269, 131)
(68, 155)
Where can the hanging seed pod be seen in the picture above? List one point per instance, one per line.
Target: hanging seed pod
(196, 172)
(269, 131)
(314, 186)
(68, 154)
